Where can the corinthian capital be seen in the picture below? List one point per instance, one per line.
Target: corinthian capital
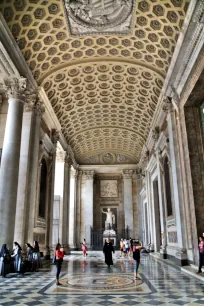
(68, 159)
(38, 108)
(88, 174)
(55, 137)
(16, 88)
(127, 174)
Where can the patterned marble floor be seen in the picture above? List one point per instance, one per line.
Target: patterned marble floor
(90, 282)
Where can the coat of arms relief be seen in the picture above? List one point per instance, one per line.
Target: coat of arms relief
(99, 16)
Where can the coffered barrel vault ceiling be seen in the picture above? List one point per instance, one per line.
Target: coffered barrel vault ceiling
(103, 88)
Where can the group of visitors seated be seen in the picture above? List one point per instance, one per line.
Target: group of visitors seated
(18, 260)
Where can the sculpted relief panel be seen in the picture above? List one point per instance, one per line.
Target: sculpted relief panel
(99, 16)
(109, 188)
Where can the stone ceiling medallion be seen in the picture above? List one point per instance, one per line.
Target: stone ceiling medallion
(87, 17)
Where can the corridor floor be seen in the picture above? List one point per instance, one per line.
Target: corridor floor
(90, 282)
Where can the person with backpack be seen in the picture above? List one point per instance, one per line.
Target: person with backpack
(137, 246)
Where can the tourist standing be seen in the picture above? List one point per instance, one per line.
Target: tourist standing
(17, 257)
(36, 256)
(107, 250)
(201, 254)
(137, 246)
(5, 260)
(84, 248)
(121, 247)
(131, 246)
(29, 252)
(59, 254)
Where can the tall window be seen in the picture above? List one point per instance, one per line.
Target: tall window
(43, 184)
(167, 187)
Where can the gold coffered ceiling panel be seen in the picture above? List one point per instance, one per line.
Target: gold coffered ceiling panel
(104, 88)
(104, 105)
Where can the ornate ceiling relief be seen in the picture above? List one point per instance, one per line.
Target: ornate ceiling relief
(109, 158)
(103, 88)
(87, 17)
(104, 106)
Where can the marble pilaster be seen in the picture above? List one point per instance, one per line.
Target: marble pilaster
(88, 205)
(64, 233)
(177, 191)
(149, 214)
(128, 201)
(78, 210)
(51, 177)
(161, 207)
(15, 89)
(72, 209)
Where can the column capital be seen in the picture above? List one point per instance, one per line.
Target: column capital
(74, 174)
(68, 159)
(127, 174)
(55, 137)
(16, 88)
(38, 108)
(88, 174)
(137, 173)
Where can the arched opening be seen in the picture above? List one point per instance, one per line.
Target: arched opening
(43, 187)
(167, 187)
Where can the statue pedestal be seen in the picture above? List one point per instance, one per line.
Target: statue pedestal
(111, 234)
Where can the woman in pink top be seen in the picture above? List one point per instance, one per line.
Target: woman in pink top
(201, 254)
(59, 253)
(84, 248)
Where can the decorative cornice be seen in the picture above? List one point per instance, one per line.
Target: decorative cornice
(127, 174)
(16, 88)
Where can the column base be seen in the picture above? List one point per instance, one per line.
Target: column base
(151, 247)
(180, 258)
(163, 253)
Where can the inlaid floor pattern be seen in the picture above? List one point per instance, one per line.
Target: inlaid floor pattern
(90, 282)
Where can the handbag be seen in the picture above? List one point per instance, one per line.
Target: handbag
(54, 260)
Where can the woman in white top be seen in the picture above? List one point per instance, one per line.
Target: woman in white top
(17, 257)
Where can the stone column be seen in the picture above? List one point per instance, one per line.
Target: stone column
(32, 110)
(10, 159)
(51, 177)
(88, 205)
(140, 204)
(64, 233)
(149, 212)
(161, 207)
(177, 191)
(128, 205)
(72, 209)
(78, 210)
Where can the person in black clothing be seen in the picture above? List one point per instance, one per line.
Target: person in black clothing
(137, 246)
(107, 250)
(36, 256)
(5, 260)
